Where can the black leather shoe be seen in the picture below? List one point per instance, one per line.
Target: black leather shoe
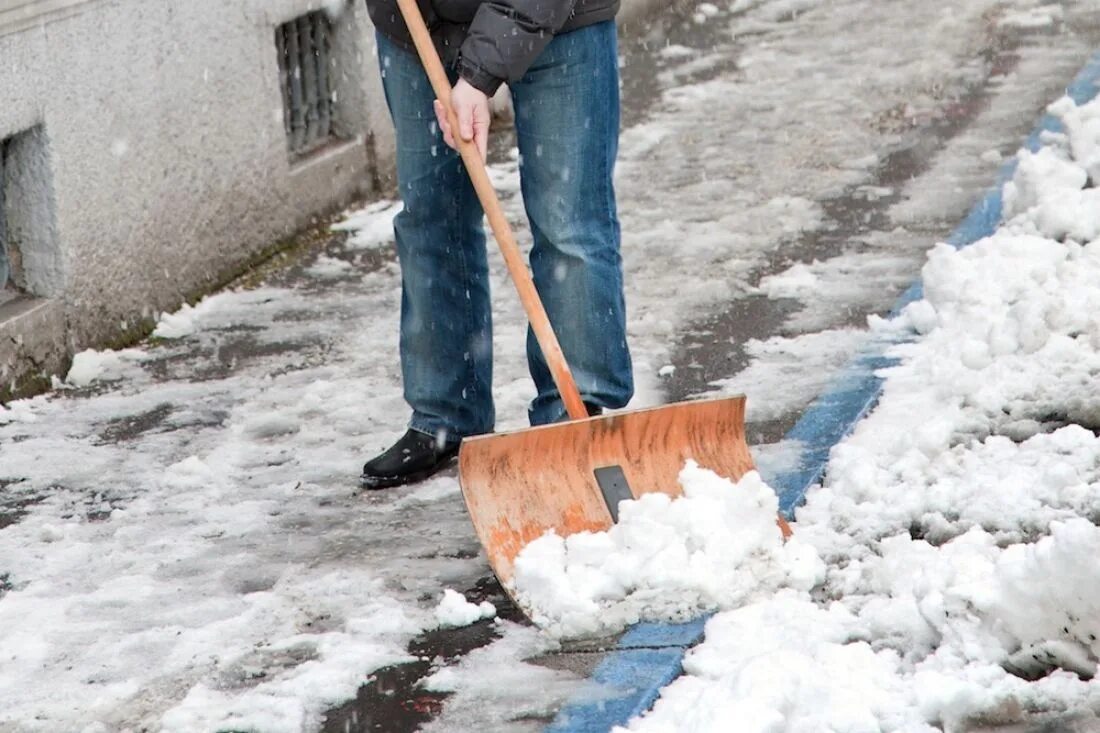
(413, 458)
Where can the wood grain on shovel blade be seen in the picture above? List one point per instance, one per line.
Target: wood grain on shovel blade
(520, 485)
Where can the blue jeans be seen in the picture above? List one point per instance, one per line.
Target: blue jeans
(567, 127)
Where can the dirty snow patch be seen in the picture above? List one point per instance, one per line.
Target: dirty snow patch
(519, 691)
(371, 227)
(330, 267)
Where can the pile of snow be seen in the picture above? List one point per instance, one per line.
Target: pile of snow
(958, 522)
(957, 525)
(934, 638)
(178, 324)
(454, 610)
(93, 366)
(716, 547)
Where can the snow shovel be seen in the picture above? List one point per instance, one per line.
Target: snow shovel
(570, 477)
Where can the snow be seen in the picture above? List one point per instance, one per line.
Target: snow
(454, 610)
(718, 546)
(20, 411)
(176, 325)
(1040, 17)
(523, 691)
(92, 366)
(791, 370)
(330, 267)
(854, 281)
(992, 156)
(371, 227)
(334, 8)
(958, 521)
(178, 516)
(676, 51)
(781, 660)
(704, 12)
(797, 281)
(215, 311)
(321, 676)
(194, 506)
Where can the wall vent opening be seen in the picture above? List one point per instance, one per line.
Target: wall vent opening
(30, 260)
(9, 256)
(306, 65)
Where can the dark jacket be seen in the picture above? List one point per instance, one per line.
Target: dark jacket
(491, 41)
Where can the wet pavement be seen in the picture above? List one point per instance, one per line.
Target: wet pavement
(713, 347)
(392, 699)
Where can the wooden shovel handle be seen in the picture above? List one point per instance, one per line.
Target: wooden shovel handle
(517, 268)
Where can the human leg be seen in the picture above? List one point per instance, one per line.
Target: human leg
(567, 125)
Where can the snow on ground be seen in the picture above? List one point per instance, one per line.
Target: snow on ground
(525, 692)
(186, 553)
(799, 113)
(454, 610)
(791, 371)
(370, 227)
(167, 576)
(91, 365)
(718, 546)
(959, 521)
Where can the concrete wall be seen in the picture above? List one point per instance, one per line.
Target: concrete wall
(146, 158)
(150, 155)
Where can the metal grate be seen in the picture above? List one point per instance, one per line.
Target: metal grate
(305, 68)
(28, 234)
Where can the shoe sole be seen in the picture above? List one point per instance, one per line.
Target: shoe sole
(375, 483)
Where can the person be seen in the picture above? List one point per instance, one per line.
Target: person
(559, 59)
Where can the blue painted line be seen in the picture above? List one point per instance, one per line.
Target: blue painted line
(663, 634)
(628, 682)
(848, 399)
(649, 656)
(628, 679)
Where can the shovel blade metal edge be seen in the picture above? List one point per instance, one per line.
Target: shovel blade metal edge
(519, 485)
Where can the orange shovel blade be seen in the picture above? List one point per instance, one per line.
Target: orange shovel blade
(519, 485)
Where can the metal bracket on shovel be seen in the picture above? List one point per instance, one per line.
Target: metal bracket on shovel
(614, 487)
